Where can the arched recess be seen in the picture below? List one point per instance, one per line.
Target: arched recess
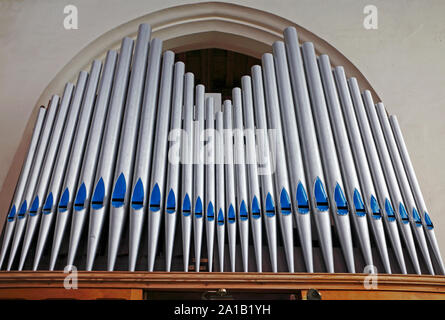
(182, 28)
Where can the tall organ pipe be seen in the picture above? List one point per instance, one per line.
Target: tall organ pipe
(144, 149)
(255, 207)
(100, 200)
(81, 207)
(174, 153)
(12, 216)
(415, 187)
(127, 145)
(265, 164)
(346, 162)
(65, 205)
(160, 150)
(314, 171)
(372, 207)
(297, 177)
(63, 154)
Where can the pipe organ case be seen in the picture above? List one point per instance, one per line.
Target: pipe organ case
(133, 168)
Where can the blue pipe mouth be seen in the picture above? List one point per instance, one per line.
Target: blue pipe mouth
(47, 207)
(79, 202)
(340, 200)
(285, 203)
(270, 207)
(403, 213)
(321, 199)
(416, 217)
(11, 214)
(63, 203)
(137, 200)
(171, 202)
(231, 215)
(428, 222)
(98, 196)
(22, 211)
(359, 205)
(256, 211)
(376, 213)
(389, 211)
(210, 212)
(155, 199)
(186, 206)
(198, 208)
(220, 220)
(243, 213)
(120, 189)
(34, 207)
(302, 199)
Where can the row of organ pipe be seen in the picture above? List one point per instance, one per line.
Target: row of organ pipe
(299, 153)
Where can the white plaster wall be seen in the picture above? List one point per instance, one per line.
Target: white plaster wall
(403, 60)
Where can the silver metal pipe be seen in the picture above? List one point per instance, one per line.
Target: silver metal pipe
(364, 174)
(160, 151)
(334, 181)
(143, 158)
(417, 192)
(174, 153)
(123, 173)
(319, 203)
(394, 190)
(297, 178)
(35, 211)
(255, 208)
(21, 184)
(220, 188)
(31, 185)
(407, 196)
(65, 205)
(81, 204)
(187, 168)
(198, 173)
(230, 182)
(63, 153)
(346, 161)
(377, 173)
(265, 165)
(281, 176)
(100, 200)
(240, 177)
(209, 160)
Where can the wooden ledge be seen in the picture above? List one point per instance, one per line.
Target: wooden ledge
(339, 285)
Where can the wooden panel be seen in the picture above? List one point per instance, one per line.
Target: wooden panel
(129, 285)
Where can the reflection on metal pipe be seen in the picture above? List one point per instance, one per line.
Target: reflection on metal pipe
(412, 178)
(80, 209)
(311, 155)
(12, 215)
